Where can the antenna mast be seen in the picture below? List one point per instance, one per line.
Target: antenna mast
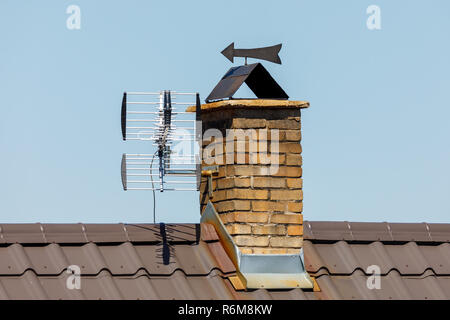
(159, 118)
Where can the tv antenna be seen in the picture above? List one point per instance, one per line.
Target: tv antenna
(159, 118)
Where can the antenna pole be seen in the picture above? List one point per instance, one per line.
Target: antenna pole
(162, 121)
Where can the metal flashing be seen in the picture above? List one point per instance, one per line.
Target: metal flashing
(269, 271)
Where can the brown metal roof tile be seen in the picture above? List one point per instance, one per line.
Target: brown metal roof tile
(439, 231)
(170, 261)
(48, 259)
(176, 286)
(427, 288)
(179, 233)
(195, 259)
(209, 287)
(208, 232)
(313, 260)
(56, 288)
(438, 258)
(22, 233)
(374, 253)
(105, 232)
(369, 231)
(328, 230)
(343, 258)
(337, 258)
(223, 260)
(408, 258)
(121, 259)
(64, 233)
(354, 287)
(409, 232)
(101, 287)
(14, 260)
(26, 286)
(4, 293)
(139, 288)
(143, 232)
(173, 233)
(376, 231)
(88, 257)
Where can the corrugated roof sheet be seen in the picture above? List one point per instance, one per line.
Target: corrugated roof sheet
(187, 261)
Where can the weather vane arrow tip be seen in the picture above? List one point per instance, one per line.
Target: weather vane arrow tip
(266, 53)
(228, 52)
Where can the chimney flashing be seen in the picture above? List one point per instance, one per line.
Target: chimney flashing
(269, 271)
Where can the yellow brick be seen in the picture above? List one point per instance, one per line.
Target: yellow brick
(222, 171)
(286, 194)
(225, 183)
(268, 182)
(248, 123)
(281, 159)
(240, 205)
(259, 217)
(293, 159)
(247, 194)
(290, 218)
(269, 158)
(270, 250)
(288, 172)
(295, 230)
(283, 124)
(241, 170)
(251, 241)
(268, 229)
(239, 229)
(290, 147)
(241, 147)
(294, 183)
(242, 182)
(286, 242)
(267, 206)
(219, 195)
(227, 217)
(293, 135)
(295, 206)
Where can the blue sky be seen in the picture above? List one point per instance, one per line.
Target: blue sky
(375, 139)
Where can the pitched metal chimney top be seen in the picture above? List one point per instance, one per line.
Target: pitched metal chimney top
(257, 78)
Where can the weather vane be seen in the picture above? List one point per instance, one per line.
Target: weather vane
(265, 53)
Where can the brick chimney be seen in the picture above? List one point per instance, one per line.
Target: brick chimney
(257, 187)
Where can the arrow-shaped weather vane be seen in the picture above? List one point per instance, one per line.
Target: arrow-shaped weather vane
(266, 53)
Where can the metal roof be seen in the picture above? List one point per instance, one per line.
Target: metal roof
(187, 261)
(257, 78)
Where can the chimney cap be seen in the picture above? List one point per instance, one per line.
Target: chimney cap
(257, 78)
(251, 104)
